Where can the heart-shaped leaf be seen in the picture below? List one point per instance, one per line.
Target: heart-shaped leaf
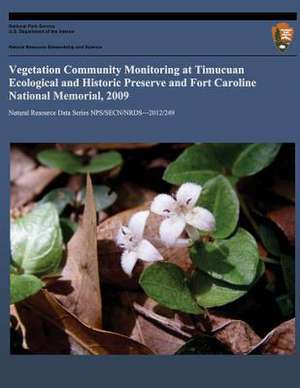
(210, 292)
(102, 162)
(60, 198)
(227, 153)
(201, 162)
(234, 260)
(64, 160)
(198, 177)
(36, 241)
(103, 195)
(220, 198)
(72, 164)
(196, 164)
(23, 286)
(167, 285)
(255, 158)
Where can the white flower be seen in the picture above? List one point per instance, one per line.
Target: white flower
(182, 214)
(130, 238)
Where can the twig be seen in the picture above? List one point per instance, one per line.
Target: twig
(186, 331)
(177, 328)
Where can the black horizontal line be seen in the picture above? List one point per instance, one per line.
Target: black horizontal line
(153, 16)
(154, 55)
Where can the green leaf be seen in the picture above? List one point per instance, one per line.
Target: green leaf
(198, 177)
(201, 162)
(102, 162)
(13, 269)
(220, 198)
(234, 260)
(270, 240)
(196, 158)
(36, 241)
(60, 198)
(64, 160)
(210, 292)
(103, 195)
(23, 286)
(255, 158)
(167, 285)
(72, 164)
(227, 153)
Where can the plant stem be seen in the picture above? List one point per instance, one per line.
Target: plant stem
(185, 331)
(17, 267)
(269, 260)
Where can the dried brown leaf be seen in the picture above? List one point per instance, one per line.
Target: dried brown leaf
(75, 182)
(39, 335)
(158, 163)
(280, 340)
(215, 321)
(74, 336)
(285, 189)
(238, 336)
(284, 218)
(131, 195)
(20, 163)
(78, 289)
(142, 319)
(27, 186)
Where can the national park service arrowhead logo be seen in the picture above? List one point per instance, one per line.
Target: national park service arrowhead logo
(282, 35)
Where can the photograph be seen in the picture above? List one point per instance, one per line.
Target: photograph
(152, 249)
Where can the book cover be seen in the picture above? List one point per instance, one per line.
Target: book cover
(148, 169)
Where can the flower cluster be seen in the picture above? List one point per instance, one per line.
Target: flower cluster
(180, 215)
